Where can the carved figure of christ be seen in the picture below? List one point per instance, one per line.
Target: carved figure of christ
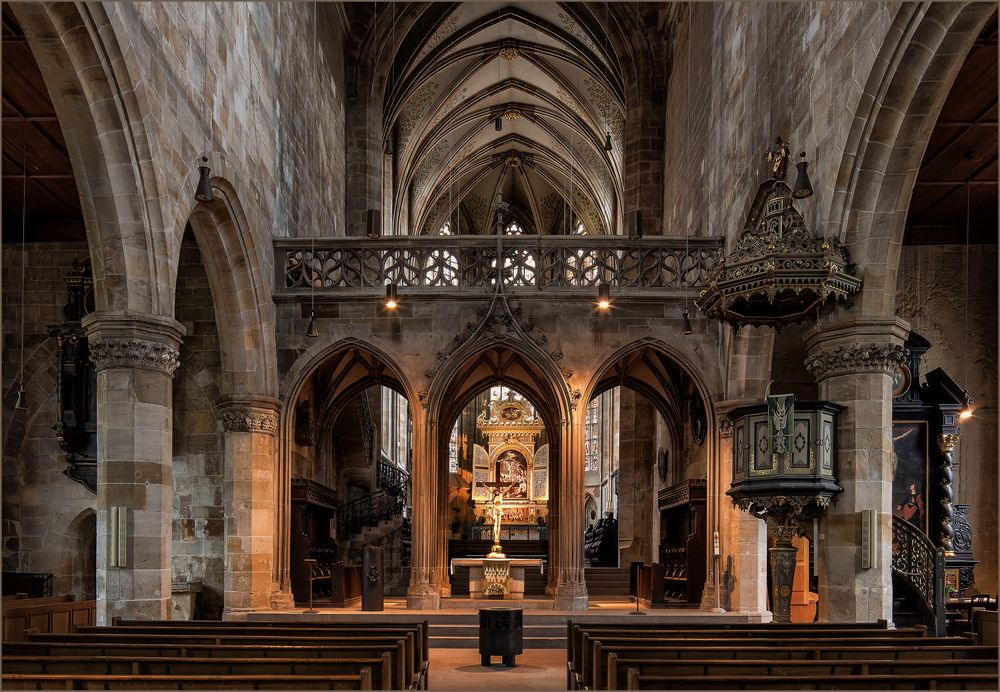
(500, 489)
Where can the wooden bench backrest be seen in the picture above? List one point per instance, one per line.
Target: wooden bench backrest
(15, 681)
(615, 677)
(593, 650)
(403, 676)
(799, 682)
(381, 666)
(413, 664)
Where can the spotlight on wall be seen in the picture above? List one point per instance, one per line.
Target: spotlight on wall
(607, 142)
(498, 123)
(964, 415)
(311, 330)
(203, 193)
(391, 299)
(803, 188)
(686, 323)
(604, 296)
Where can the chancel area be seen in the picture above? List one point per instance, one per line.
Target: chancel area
(635, 345)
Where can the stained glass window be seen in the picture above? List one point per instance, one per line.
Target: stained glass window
(592, 436)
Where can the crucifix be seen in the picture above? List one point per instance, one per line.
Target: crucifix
(500, 489)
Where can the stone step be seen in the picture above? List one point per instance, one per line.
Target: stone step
(473, 642)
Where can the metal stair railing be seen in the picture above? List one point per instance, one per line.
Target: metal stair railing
(367, 426)
(920, 565)
(387, 503)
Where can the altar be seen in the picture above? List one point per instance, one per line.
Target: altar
(496, 577)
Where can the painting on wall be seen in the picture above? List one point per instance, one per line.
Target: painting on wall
(909, 485)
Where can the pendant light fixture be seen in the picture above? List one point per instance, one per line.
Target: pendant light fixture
(391, 297)
(604, 296)
(203, 192)
(803, 188)
(22, 401)
(311, 330)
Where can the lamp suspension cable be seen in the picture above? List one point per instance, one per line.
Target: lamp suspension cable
(311, 330)
(685, 315)
(966, 411)
(21, 404)
(607, 105)
(203, 191)
(498, 123)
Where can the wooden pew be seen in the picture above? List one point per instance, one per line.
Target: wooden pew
(594, 652)
(49, 614)
(637, 681)
(579, 637)
(415, 669)
(618, 669)
(27, 681)
(420, 627)
(380, 668)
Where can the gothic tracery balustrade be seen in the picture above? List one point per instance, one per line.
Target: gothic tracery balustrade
(468, 263)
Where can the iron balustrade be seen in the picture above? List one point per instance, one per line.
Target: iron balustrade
(390, 475)
(920, 564)
(450, 264)
(383, 505)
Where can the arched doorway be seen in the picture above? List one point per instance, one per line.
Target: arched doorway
(345, 470)
(647, 460)
(498, 446)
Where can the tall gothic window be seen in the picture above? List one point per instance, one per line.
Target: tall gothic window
(513, 228)
(592, 436)
(453, 450)
(395, 427)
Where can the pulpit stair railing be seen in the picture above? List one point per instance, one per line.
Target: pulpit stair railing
(919, 564)
(367, 426)
(385, 504)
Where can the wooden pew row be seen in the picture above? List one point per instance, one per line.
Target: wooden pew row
(379, 668)
(591, 664)
(19, 681)
(48, 614)
(637, 681)
(575, 628)
(578, 636)
(618, 669)
(415, 670)
(420, 629)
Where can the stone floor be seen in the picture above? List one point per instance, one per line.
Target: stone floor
(459, 669)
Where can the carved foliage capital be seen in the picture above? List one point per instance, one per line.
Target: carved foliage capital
(725, 426)
(947, 442)
(250, 420)
(134, 353)
(855, 359)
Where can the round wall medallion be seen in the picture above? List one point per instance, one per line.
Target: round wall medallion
(900, 381)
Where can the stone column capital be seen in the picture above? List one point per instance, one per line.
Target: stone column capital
(250, 413)
(856, 346)
(131, 340)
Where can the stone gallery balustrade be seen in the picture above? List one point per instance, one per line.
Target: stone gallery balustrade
(445, 264)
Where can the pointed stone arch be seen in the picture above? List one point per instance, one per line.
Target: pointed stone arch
(102, 111)
(909, 82)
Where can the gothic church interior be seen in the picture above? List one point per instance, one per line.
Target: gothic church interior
(576, 308)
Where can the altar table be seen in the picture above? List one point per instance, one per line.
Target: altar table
(484, 571)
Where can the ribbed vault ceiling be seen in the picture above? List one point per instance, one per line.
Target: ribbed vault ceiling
(550, 72)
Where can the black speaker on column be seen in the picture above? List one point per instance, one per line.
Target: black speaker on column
(633, 221)
(373, 222)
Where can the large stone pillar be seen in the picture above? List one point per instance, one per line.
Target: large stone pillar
(741, 536)
(423, 592)
(135, 357)
(250, 424)
(853, 361)
(571, 589)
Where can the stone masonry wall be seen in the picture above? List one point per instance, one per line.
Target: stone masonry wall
(43, 510)
(198, 548)
(931, 296)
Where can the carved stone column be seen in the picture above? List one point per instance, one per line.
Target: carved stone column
(742, 535)
(946, 529)
(423, 592)
(135, 357)
(571, 589)
(853, 361)
(251, 425)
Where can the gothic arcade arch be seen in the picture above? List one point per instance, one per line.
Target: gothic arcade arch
(353, 365)
(909, 83)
